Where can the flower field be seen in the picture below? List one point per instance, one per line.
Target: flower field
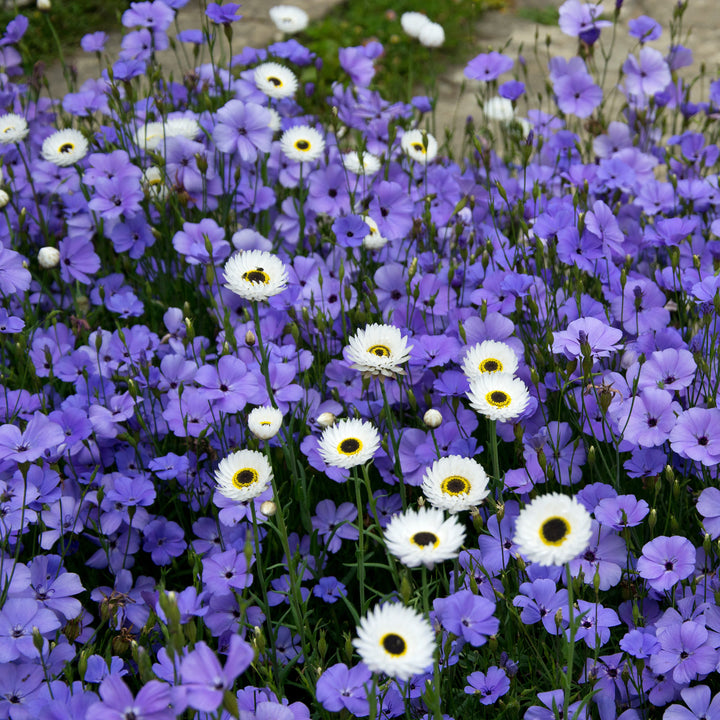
(302, 417)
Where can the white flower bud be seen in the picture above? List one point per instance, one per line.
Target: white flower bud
(43, 4)
(48, 257)
(268, 508)
(326, 419)
(4, 198)
(432, 418)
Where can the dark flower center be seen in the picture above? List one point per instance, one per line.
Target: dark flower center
(258, 275)
(490, 365)
(244, 478)
(498, 398)
(703, 440)
(302, 145)
(554, 530)
(394, 644)
(277, 82)
(669, 566)
(66, 148)
(424, 538)
(455, 485)
(350, 446)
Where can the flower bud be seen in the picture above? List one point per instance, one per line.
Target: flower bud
(326, 419)
(432, 418)
(4, 198)
(268, 508)
(48, 257)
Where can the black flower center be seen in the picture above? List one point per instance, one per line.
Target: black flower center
(66, 148)
(350, 446)
(490, 365)
(425, 538)
(302, 145)
(394, 644)
(554, 530)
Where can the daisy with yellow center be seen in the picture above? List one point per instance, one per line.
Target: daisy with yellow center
(302, 144)
(419, 145)
(243, 475)
(378, 350)
(498, 396)
(553, 529)
(455, 484)
(348, 443)
(255, 274)
(275, 80)
(489, 356)
(65, 147)
(264, 422)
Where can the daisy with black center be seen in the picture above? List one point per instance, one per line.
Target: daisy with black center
(255, 275)
(553, 529)
(349, 443)
(419, 145)
(302, 144)
(498, 396)
(423, 537)
(395, 640)
(378, 350)
(13, 129)
(275, 80)
(455, 484)
(243, 475)
(489, 356)
(64, 147)
(264, 422)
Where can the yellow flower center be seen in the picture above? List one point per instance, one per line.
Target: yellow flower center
(245, 477)
(66, 148)
(554, 531)
(424, 538)
(277, 82)
(490, 365)
(498, 398)
(418, 147)
(455, 485)
(393, 644)
(256, 275)
(379, 350)
(302, 145)
(350, 446)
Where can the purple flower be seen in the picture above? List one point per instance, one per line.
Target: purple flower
(78, 259)
(640, 643)
(225, 572)
(223, 14)
(586, 336)
(648, 418)
(696, 435)
(665, 561)
(540, 600)
(335, 524)
(350, 230)
(489, 686)
(488, 66)
(579, 20)
(329, 589)
(708, 505)
(552, 702)
(18, 617)
(151, 703)
(342, 688)
(164, 540)
(647, 75)
(621, 511)
(357, 62)
(205, 680)
(577, 94)
(243, 128)
(595, 622)
(14, 278)
(686, 650)
(94, 42)
(698, 700)
(468, 616)
(392, 209)
(40, 434)
(644, 28)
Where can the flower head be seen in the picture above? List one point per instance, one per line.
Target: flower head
(349, 443)
(489, 356)
(455, 483)
(13, 129)
(275, 80)
(65, 147)
(243, 475)
(289, 18)
(265, 422)
(419, 145)
(498, 396)
(255, 275)
(553, 529)
(423, 537)
(302, 143)
(395, 640)
(378, 350)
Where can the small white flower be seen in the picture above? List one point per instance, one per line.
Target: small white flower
(275, 80)
(433, 418)
(152, 135)
(265, 422)
(373, 240)
(65, 147)
(395, 640)
(13, 129)
(553, 529)
(243, 475)
(421, 146)
(498, 396)
(413, 23)
(348, 443)
(489, 356)
(378, 350)
(255, 275)
(431, 35)
(499, 108)
(289, 18)
(455, 483)
(48, 257)
(368, 164)
(153, 183)
(423, 537)
(302, 143)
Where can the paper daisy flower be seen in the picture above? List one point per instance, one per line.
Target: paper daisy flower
(419, 145)
(395, 640)
(423, 537)
(455, 483)
(243, 475)
(265, 422)
(302, 143)
(373, 240)
(275, 80)
(289, 18)
(361, 164)
(13, 129)
(349, 443)
(378, 350)
(255, 275)
(498, 396)
(65, 147)
(489, 356)
(553, 529)
(152, 135)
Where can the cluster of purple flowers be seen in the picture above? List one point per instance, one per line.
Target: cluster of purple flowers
(130, 587)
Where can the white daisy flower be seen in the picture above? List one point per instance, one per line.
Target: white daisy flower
(348, 443)
(413, 23)
(302, 143)
(431, 35)
(373, 240)
(255, 275)
(423, 537)
(275, 120)
(289, 19)
(182, 127)
(65, 147)
(265, 422)
(153, 182)
(499, 108)
(13, 129)
(243, 475)
(152, 135)
(275, 80)
(489, 356)
(498, 396)
(553, 529)
(419, 145)
(378, 350)
(455, 483)
(395, 640)
(357, 164)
